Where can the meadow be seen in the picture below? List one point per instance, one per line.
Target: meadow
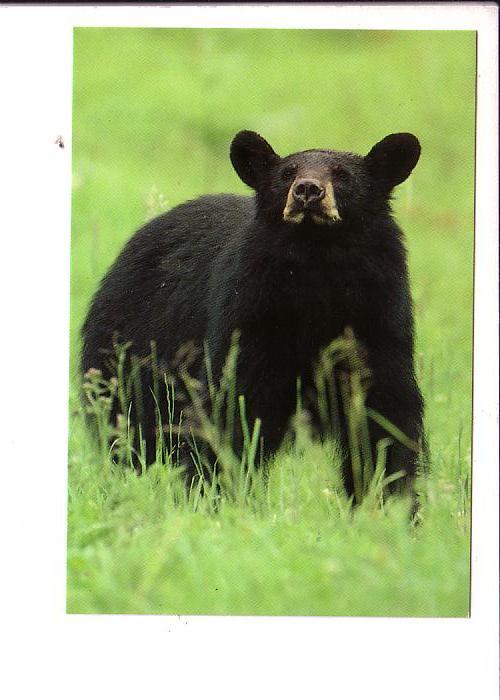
(154, 112)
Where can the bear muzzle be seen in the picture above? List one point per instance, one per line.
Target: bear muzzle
(310, 199)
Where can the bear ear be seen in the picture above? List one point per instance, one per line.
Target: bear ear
(391, 160)
(251, 157)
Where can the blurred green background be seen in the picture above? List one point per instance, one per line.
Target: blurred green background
(153, 116)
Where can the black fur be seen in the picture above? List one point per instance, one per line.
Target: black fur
(226, 262)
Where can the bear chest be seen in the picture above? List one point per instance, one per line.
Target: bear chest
(325, 298)
(309, 301)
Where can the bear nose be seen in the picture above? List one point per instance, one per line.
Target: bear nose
(307, 191)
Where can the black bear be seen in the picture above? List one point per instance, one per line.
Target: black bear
(313, 252)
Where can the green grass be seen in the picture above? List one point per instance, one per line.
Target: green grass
(154, 113)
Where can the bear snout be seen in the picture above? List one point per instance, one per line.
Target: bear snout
(310, 200)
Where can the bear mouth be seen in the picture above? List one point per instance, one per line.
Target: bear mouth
(316, 215)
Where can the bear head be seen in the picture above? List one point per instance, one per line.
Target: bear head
(322, 187)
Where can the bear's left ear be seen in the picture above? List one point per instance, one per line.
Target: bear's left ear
(251, 157)
(391, 160)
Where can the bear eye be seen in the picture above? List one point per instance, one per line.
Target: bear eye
(339, 173)
(289, 172)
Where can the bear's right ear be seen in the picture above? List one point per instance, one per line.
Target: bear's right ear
(251, 157)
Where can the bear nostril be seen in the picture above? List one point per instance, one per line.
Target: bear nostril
(306, 191)
(315, 191)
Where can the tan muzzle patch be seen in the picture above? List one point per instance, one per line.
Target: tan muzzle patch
(327, 212)
(290, 213)
(329, 205)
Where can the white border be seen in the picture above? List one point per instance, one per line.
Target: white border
(47, 652)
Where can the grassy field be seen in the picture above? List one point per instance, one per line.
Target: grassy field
(154, 113)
